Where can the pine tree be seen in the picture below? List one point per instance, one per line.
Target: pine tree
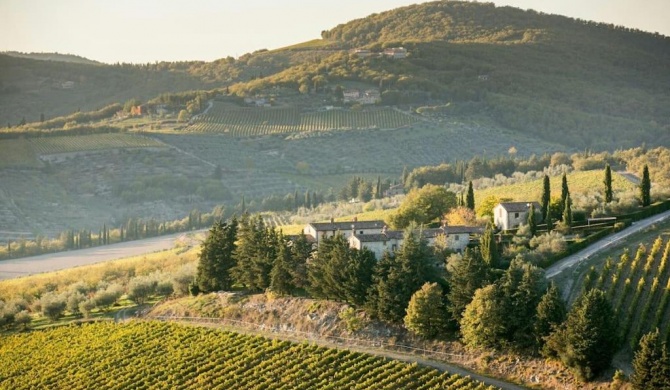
(645, 187)
(546, 198)
(489, 248)
(565, 193)
(469, 274)
(470, 199)
(217, 258)
(651, 365)
(532, 223)
(608, 184)
(587, 341)
(398, 277)
(281, 279)
(551, 313)
(426, 312)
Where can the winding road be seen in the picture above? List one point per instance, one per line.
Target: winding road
(614, 239)
(25, 266)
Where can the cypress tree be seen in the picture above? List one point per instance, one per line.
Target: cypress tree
(546, 198)
(608, 184)
(405, 175)
(489, 248)
(567, 212)
(532, 223)
(565, 193)
(470, 199)
(645, 187)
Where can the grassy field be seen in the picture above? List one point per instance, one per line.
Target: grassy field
(578, 182)
(145, 355)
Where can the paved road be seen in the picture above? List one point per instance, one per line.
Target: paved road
(56, 261)
(606, 242)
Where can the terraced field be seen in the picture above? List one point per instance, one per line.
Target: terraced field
(144, 355)
(250, 122)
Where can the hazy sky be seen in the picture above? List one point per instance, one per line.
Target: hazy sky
(150, 30)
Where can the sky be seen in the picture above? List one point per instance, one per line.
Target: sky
(141, 31)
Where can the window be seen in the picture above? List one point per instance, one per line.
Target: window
(361, 232)
(516, 215)
(456, 237)
(394, 247)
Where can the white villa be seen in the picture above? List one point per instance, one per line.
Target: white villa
(510, 215)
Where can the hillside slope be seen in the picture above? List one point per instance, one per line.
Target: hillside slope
(571, 81)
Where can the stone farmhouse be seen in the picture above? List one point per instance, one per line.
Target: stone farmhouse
(370, 96)
(317, 231)
(375, 235)
(397, 189)
(510, 215)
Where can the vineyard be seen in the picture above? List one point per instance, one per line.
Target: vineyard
(249, 122)
(76, 143)
(638, 286)
(143, 355)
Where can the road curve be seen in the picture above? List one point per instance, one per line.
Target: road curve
(606, 242)
(25, 266)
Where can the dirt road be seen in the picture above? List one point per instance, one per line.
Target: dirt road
(16, 268)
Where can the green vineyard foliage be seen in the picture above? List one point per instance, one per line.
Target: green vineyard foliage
(143, 355)
(251, 122)
(642, 302)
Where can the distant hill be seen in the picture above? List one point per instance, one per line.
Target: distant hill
(576, 82)
(52, 57)
(573, 82)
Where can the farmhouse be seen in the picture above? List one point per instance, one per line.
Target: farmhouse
(510, 215)
(456, 239)
(396, 52)
(370, 96)
(394, 190)
(319, 230)
(351, 95)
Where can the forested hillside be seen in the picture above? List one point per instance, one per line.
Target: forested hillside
(572, 81)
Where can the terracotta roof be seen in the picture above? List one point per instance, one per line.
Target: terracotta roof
(328, 226)
(516, 207)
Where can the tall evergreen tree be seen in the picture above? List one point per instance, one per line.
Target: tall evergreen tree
(532, 222)
(470, 199)
(257, 250)
(608, 184)
(546, 198)
(489, 248)
(565, 193)
(281, 278)
(398, 277)
(217, 258)
(482, 324)
(551, 313)
(587, 340)
(651, 365)
(645, 187)
(469, 274)
(567, 212)
(426, 312)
